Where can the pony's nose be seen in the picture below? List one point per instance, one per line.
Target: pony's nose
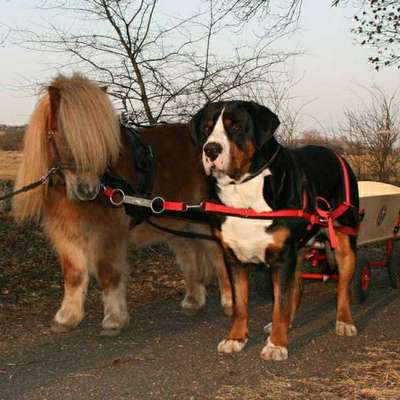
(212, 150)
(87, 192)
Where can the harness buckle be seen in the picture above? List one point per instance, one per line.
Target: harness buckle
(194, 207)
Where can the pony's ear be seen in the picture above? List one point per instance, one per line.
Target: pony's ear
(265, 122)
(54, 96)
(195, 127)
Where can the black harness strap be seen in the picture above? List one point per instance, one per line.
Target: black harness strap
(186, 234)
(144, 160)
(145, 171)
(41, 181)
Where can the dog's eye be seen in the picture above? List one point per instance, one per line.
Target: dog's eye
(207, 128)
(235, 128)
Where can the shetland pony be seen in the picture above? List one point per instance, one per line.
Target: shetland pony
(74, 124)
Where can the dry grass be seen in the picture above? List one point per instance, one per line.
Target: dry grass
(9, 163)
(376, 377)
(11, 140)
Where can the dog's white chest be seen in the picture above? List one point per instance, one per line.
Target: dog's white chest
(246, 237)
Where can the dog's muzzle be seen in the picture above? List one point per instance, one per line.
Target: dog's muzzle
(213, 157)
(212, 150)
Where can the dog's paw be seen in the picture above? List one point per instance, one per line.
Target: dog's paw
(231, 345)
(273, 352)
(343, 329)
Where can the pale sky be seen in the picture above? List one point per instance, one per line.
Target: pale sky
(332, 70)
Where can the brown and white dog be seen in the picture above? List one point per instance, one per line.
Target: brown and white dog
(250, 169)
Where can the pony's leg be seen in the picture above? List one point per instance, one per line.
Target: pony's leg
(113, 283)
(224, 281)
(199, 261)
(76, 279)
(112, 274)
(192, 262)
(345, 258)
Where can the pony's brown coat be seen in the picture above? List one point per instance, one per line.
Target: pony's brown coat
(91, 237)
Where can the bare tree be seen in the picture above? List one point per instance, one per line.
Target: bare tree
(4, 33)
(282, 103)
(280, 16)
(158, 69)
(373, 132)
(377, 25)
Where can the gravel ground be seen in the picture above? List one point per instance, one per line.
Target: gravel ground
(167, 355)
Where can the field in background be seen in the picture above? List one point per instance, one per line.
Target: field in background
(9, 163)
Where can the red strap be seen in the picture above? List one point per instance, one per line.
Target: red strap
(305, 200)
(108, 192)
(346, 179)
(248, 212)
(175, 206)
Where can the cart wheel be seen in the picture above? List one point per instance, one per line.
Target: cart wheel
(263, 281)
(361, 281)
(394, 265)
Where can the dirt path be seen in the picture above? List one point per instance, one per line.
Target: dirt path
(166, 355)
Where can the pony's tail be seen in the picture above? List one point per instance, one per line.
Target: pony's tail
(35, 162)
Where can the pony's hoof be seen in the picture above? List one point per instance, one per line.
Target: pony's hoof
(273, 352)
(110, 332)
(231, 345)
(57, 327)
(343, 329)
(268, 328)
(190, 306)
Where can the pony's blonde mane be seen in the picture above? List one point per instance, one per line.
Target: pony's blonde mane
(88, 125)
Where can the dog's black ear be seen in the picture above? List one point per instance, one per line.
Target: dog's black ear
(265, 122)
(195, 127)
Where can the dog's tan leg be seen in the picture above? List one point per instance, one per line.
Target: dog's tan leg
(238, 334)
(295, 293)
(276, 347)
(346, 259)
(76, 279)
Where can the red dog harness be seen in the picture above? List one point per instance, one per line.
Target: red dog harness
(323, 216)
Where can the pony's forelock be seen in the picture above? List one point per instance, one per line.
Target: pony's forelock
(87, 122)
